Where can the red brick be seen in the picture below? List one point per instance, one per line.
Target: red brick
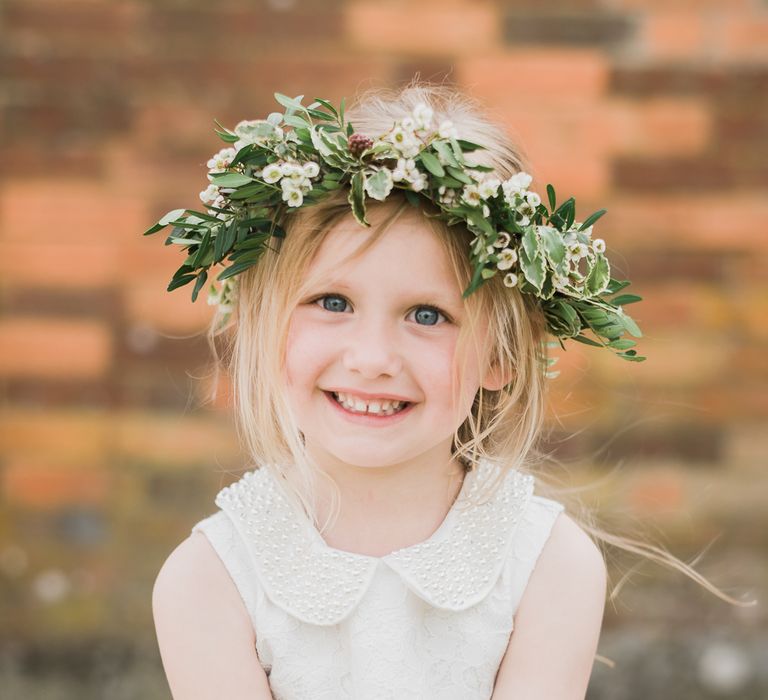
(745, 37)
(47, 347)
(677, 34)
(49, 210)
(59, 265)
(659, 127)
(174, 440)
(543, 77)
(50, 436)
(48, 485)
(148, 302)
(685, 358)
(686, 304)
(723, 222)
(427, 27)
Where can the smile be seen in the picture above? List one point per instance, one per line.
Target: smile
(372, 413)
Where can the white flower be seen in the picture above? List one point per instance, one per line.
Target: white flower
(471, 195)
(422, 115)
(489, 187)
(516, 185)
(408, 124)
(293, 196)
(486, 210)
(293, 171)
(419, 183)
(271, 173)
(221, 160)
(502, 240)
(510, 279)
(533, 199)
(311, 169)
(583, 250)
(209, 194)
(447, 130)
(507, 258)
(599, 245)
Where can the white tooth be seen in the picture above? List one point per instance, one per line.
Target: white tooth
(360, 405)
(374, 407)
(386, 404)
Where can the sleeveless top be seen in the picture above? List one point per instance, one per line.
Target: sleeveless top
(431, 620)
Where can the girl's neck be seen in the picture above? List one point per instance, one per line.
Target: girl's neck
(383, 509)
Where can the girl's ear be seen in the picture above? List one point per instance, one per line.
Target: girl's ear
(497, 377)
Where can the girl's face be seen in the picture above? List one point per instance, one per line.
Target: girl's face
(385, 323)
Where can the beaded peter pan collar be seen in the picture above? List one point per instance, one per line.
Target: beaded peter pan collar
(453, 569)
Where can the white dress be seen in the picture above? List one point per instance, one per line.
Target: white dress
(430, 621)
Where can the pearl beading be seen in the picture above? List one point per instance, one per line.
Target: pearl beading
(322, 585)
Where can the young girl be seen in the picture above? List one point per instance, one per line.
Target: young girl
(392, 282)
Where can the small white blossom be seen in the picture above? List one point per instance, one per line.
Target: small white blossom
(503, 239)
(507, 258)
(533, 199)
(420, 183)
(510, 279)
(422, 116)
(599, 245)
(221, 160)
(471, 195)
(311, 169)
(447, 130)
(293, 196)
(408, 124)
(209, 194)
(516, 185)
(271, 173)
(489, 187)
(486, 210)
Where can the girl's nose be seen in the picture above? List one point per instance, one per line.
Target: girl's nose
(372, 350)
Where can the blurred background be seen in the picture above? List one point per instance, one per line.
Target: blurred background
(654, 109)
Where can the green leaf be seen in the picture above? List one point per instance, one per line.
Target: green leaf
(328, 106)
(289, 102)
(488, 272)
(201, 279)
(297, 122)
(460, 175)
(180, 281)
(356, 198)
(616, 286)
(622, 343)
(551, 197)
(231, 180)
(591, 219)
(171, 216)
(341, 111)
(598, 276)
(630, 325)
(624, 299)
(432, 164)
(469, 146)
(444, 149)
(530, 242)
(235, 269)
(379, 185)
(533, 268)
(587, 341)
(553, 244)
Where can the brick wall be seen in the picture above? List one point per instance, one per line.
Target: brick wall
(655, 110)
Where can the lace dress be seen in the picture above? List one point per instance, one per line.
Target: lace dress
(432, 620)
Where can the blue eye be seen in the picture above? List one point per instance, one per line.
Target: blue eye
(429, 314)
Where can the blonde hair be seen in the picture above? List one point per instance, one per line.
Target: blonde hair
(504, 426)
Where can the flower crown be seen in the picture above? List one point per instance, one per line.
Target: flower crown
(268, 171)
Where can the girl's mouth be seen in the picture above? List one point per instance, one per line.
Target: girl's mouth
(374, 414)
